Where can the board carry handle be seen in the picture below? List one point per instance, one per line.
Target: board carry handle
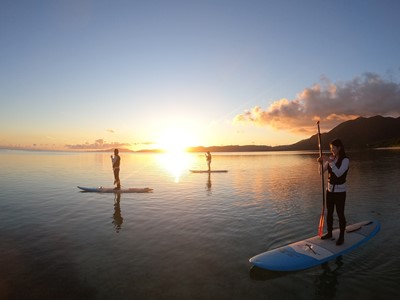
(353, 228)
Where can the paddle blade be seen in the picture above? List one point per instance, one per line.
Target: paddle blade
(321, 224)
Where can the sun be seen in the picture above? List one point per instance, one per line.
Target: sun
(176, 141)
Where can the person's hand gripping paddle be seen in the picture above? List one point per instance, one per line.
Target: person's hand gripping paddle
(322, 218)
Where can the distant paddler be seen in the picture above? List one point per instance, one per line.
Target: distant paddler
(116, 160)
(208, 158)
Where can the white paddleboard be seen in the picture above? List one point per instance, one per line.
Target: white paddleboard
(112, 190)
(206, 171)
(314, 251)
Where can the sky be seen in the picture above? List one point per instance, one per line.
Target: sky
(150, 74)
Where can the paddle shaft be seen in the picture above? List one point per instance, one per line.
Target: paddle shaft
(321, 220)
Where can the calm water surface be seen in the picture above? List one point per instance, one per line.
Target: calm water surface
(192, 237)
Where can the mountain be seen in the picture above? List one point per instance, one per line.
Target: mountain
(361, 133)
(373, 132)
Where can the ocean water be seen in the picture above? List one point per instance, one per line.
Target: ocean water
(192, 237)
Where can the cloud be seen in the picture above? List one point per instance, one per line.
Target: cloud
(97, 145)
(331, 103)
(145, 143)
(102, 144)
(110, 130)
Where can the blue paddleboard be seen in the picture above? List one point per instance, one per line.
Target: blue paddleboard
(314, 251)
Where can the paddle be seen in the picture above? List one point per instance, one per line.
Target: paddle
(322, 218)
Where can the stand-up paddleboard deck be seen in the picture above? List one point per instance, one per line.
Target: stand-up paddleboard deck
(206, 171)
(111, 190)
(314, 251)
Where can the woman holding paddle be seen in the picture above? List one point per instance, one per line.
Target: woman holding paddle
(337, 166)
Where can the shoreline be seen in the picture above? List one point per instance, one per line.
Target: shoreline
(158, 151)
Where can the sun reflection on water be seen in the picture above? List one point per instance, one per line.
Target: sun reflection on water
(176, 163)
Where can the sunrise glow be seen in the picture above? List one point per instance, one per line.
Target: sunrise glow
(176, 141)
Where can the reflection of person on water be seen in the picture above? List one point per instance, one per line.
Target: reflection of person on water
(208, 158)
(337, 166)
(117, 217)
(326, 283)
(115, 164)
(209, 182)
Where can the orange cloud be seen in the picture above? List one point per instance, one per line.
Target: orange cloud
(331, 103)
(97, 145)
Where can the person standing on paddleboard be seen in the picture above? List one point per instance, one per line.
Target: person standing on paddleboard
(115, 164)
(208, 158)
(337, 166)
